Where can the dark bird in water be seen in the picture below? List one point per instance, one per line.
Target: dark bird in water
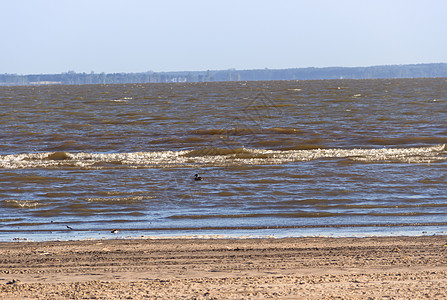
(69, 227)
(197, 177)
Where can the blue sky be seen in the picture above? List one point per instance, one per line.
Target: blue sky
(54, 36)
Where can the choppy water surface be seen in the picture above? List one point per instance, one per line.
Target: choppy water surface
(288, 158)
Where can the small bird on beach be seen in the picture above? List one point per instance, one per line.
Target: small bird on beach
(69, 227)
(197, 177)
(114, 231)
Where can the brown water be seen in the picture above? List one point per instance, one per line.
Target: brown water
(282, 158)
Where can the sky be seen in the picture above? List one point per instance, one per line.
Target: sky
(54, 36)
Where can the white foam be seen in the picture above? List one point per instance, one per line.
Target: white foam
(117, 199)
(166, 159)
(22, 203)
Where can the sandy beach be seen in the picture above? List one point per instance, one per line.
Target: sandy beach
(289, 268)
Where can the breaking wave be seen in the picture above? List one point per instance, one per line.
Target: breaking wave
(21, 203)
(214, 156)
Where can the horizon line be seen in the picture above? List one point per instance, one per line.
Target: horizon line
(227, 69)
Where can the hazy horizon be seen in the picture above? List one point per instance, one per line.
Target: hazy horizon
(52, 37)
(174, 71)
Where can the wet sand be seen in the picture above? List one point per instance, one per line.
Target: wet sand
(290, 268)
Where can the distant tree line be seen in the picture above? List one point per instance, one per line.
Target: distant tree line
(390, 71)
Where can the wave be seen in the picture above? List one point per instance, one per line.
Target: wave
(22, 203)
(245, 130)
(406, 140)
(116, 200)
(215, 156)
(297, 215)
(215, 151)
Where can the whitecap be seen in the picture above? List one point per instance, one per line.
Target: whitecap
(217, 157)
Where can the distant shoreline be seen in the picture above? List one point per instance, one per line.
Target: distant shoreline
(431, 70)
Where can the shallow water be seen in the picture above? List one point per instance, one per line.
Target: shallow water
(281, 158)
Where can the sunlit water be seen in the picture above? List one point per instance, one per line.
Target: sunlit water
(279, 158)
